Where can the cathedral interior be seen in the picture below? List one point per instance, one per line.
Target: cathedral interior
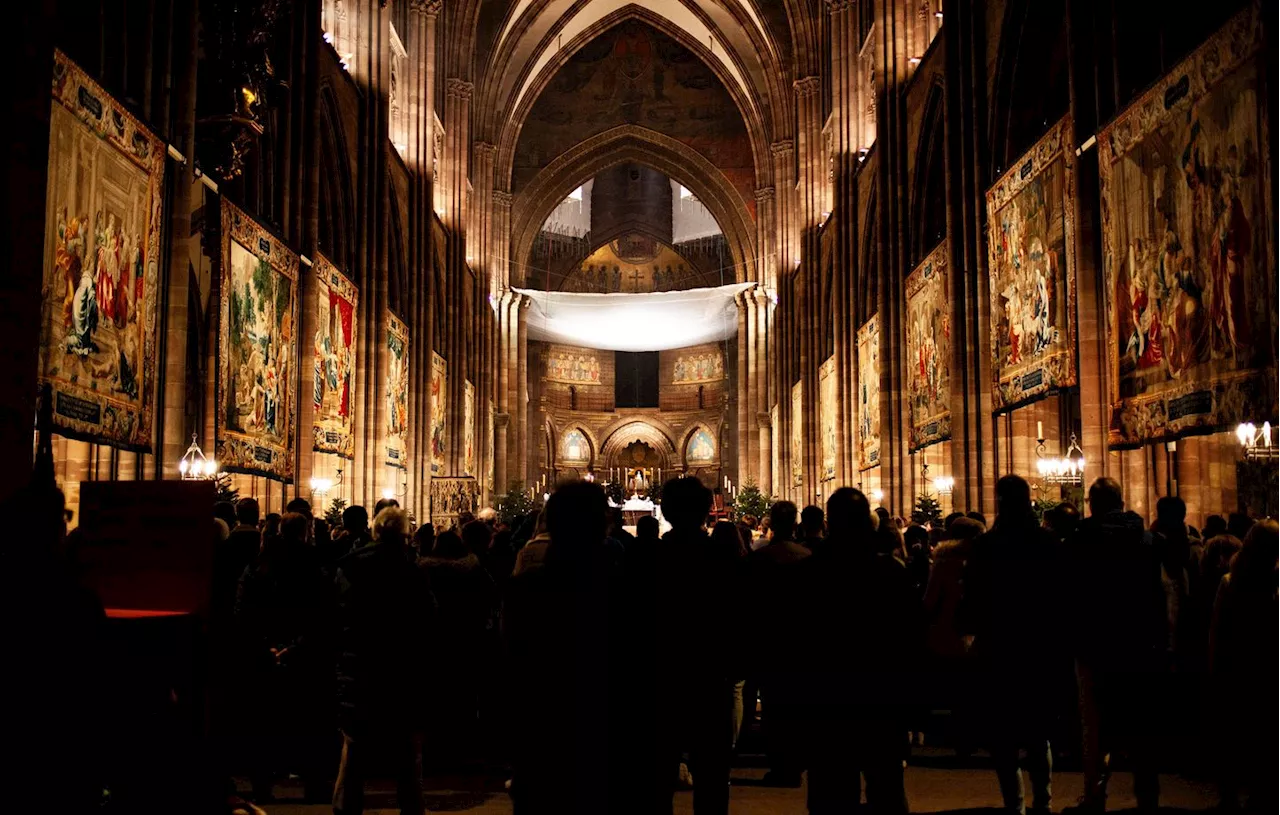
(948, 265)
(456, 252)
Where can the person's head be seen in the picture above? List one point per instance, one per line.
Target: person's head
(424, 538)
(782, 520)
(448, 544)
(1254, 566)
(616, 521)
(977, 516)
(1171, 515)
(247, 511)
(576, 518)
(295, 528)
(391, 525)
(355, 519)
(749, 521)
(1216, 559)
(300, 506)
(539, 520)
(465, 518)
(320, 531)
(883, 519)
(382, 504)
(916, 538)
(1214, 526)
(849, 515)
(685, 503)
(477, 536)
(1239, 525)
(489, 515)
(725, 537)
(950, 519)
(812, 521)
(1105, 496)
(1013, 500)
(647, 528)
(226, 512)
(1062, 520)
(965, 529)
(271, 524)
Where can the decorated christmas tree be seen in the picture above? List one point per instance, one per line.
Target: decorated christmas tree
(751, 501)
(927, 509)
(333, 515)
(515, 503)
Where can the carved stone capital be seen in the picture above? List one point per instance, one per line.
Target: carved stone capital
(502, 198)
(764, 195)
(782, 148)
(808, 86)
(427, 8)
(460, 89)
(484, 150)
(764, 420)
(837, 6)
(501, 420)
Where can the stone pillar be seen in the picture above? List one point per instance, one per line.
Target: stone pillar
(744, 386)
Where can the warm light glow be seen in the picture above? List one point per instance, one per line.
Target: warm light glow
(944, 485)
(388, 494)
(914, 61)
(877, 495)
(182, 466)
(320, 486)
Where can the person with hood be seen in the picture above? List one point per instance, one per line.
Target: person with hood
(860, 652)
(383, 599)
(1010, 607)
(465, 598)
(534, 553)
(1118, 630)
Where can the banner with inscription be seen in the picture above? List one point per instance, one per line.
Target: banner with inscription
(333, 430)
(827, 408)
(1187, 246)
(104, 211)
(257, 350)
(397, 392)
(439, 401)
(929, 350)
(1032, 268)
(869, 394)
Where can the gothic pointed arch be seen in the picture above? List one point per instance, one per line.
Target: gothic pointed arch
(336, 223)
(929, 194)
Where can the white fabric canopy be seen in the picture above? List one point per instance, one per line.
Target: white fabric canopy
(659, 321)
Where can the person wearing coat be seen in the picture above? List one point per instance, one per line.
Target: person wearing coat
(383, 601)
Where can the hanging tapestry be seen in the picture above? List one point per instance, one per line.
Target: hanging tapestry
(1187, 248)
(701, 448)
(696, 368)
(827, 407)
(573, 367)
(468, 429)
(256, 350)
(1031, 251)
(797, 434)
(397, 392)
(439, 398)
(103, 216)
(335, 361)
(869, 394)
(929, 351)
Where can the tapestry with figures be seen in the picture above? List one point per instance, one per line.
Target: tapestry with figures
(869, 394)
(333, 430)
(397, 392)
(439, 393)
(929, 351)
(827, 398)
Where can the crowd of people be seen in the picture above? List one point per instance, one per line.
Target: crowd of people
(602, 669)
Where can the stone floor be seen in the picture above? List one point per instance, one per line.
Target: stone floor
(935, 783)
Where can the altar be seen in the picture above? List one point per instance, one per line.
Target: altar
(635, 508)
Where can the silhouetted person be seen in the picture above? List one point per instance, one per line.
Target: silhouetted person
(233, 555)
(424, 540)
(465, 598)
(647, 529)
(862, 649)
(813, 527)
(533, 555)
(299, 505)
(283, 614)
(558, 621)
(695, 628)
(1118, 624)
(777, 595)
(915, 539)
(1239, 524)
(383, 599)
(1011, 607)
(1062, 520)
(1243, 661)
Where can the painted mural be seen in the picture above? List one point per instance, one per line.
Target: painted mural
(333, 430)
(468, 428)
(632, 264)
(573, 367)
(701, 448)
(1033, 277)
(707, 366)
(797, 434)
(574, 447)
(257, 350)
(929, 351)
(869, 394)
(1189, 263)
(827, 410)
(635, 74)
(397, 392)
(439, 400)
(103, 216)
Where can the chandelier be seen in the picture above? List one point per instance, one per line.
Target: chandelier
(1257, 443)
(1066, 469)
(193, 466)
(943, 484)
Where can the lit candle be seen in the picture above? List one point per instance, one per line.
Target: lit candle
(1039, 430)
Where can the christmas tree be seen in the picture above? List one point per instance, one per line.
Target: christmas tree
(751, 501)
(333, 515)
(927, 509)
